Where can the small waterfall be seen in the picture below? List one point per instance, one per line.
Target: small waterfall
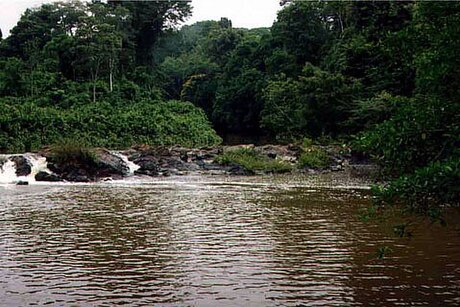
(131, 165)
(8, 168)
(7, 172)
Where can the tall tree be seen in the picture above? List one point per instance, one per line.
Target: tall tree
(40, 25)
(99, 44)
(149, 19)
(301, 30)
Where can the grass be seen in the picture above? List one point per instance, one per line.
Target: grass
(314, 158)
(72, 152)
(253, 161)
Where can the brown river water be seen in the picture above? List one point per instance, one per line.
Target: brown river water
(216, 241)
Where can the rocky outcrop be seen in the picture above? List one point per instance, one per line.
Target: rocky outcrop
(110, 164)
(163, 161)
(148, 165)
(102, 164)
(44, 176)
(286, 153)
(23, 166)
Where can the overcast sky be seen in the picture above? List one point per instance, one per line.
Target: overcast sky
(243, 13)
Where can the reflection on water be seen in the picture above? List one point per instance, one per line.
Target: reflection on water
(213, 243)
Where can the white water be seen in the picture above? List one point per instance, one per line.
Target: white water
(39, 164)
(8, 170)
(131, 165)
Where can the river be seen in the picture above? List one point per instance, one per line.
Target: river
(215, 241)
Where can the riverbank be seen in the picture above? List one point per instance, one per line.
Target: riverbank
(91, 165)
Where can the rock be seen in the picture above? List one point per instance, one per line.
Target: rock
(364, 170)
(110, 164)
(23, 166)
(44, 176)
(238, 170)
(22, 183)
(73, 171)
(238, 147)
(212, 166)
(78, 178)
(336, 168)
(53, 167)
(359, 158)
(148, 166)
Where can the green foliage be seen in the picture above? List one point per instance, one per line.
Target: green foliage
(307, 142)
(179, 70)
(253, 161)
(369, 112)
(382, 252)
(238, 102)
(424, 129)
(27, 127)
(436, 55)
(426, 190)
(317, 103)
(148, 20)
(418, 144)
(314, 158)
(69, 151)
(302, 29)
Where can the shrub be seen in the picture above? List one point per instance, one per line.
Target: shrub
(418, 146)
(422, 131)
(426, 190)
(314, 158)
(72, 152)
(253, 161)
(27, 127)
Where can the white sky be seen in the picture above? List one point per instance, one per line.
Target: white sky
(243, 13)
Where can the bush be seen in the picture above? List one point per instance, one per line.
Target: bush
(252, 161)
(426, 190)
(27, 127)
(72, 152)
(314, 158)
(418, 146)
(422, 131)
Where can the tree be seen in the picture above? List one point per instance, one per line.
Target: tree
(11, 71)
(238, 102)
(41, 25)
(301, 29)
(99, 43)
(149, 20)
(318, 103)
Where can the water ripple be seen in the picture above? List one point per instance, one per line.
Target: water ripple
(208, 243)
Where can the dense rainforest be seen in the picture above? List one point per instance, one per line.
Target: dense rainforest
(383, 76)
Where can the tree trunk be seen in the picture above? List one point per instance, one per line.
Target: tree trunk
(94, 75)
(111, 74)
(111, 82)
(94, 91)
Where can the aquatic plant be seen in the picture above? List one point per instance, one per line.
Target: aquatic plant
(382, 252)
